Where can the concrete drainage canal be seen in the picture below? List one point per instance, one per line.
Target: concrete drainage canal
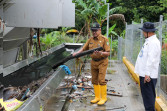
(32, 87)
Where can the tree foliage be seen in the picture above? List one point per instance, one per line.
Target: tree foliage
(149, 10)
(53, 39)
(94, 11)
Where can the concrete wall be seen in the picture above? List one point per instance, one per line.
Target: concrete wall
(164, 83)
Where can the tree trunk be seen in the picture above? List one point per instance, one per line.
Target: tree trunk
(89, 31)
(31, 42)
(81, 31)
(88, 28)
(24, 51)
(85, 31)
(38, 35)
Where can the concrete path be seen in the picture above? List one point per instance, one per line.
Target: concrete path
(122, 83)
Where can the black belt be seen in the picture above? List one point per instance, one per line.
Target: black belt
(99, 59)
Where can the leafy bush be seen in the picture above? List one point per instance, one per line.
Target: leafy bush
(163, 62)
(114, 46)
(53, 39)
(81, 39)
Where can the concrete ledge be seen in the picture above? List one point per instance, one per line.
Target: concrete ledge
(159, 104)
(131, 69)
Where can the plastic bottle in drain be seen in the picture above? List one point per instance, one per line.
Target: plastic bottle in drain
(74, 87)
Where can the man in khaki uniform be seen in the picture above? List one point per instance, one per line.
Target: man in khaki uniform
(99, 63)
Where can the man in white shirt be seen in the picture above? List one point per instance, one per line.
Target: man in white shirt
(147, 65)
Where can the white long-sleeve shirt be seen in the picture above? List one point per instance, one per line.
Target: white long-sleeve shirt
(149, 58)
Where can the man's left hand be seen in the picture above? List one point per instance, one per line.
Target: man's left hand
(147, 79)
(98, 52)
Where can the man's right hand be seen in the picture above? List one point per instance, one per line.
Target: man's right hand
(147, 79)
(75, 53)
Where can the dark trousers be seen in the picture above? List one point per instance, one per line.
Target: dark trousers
(148, 93)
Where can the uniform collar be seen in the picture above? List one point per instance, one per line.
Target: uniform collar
(151, 37)
(97, 37)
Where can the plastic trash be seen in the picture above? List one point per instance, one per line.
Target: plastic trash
(35, 36)
(79, 81)
(25, 94)
(74, 87)
(11, 105)
(83, 89)
(66, 69)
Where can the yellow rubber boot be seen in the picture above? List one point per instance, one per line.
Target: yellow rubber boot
(97, 94)
(103, 99)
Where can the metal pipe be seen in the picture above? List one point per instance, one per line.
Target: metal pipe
(73, 38)
(141, 36)
(126, 41)
(1, 52)
(131, 53)
(159, 71)
(110, 50)
(107, 18)
(120, 49)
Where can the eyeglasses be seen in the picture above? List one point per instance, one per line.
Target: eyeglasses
(95, 30)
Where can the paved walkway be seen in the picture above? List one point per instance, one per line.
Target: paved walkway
(121, 82)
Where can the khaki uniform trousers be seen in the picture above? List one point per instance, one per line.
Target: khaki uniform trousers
(98, 71)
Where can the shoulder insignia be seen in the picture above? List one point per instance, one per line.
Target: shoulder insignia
(103, 36)
(107, 43)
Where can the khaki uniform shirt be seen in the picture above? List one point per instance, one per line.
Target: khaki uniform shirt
(100, 41)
